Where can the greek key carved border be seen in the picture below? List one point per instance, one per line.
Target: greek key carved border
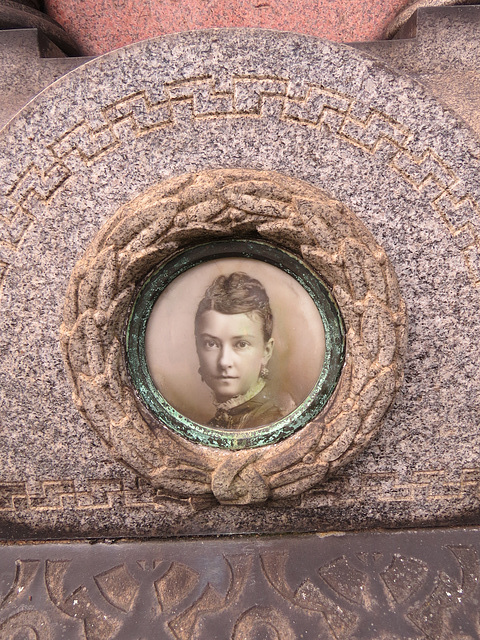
(250, 97)
(98, 494)
(89, 495)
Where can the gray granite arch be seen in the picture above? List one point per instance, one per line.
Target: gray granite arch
(312, 110)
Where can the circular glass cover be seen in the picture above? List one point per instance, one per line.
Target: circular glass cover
(234, 344)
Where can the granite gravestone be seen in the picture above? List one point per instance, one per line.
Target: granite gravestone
(284, 116)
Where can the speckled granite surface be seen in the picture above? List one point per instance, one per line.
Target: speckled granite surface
(317, 111)
(444, 55)
(98, 27)
(29, 63)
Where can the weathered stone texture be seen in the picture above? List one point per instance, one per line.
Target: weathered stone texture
(377, 586)
(333, 117)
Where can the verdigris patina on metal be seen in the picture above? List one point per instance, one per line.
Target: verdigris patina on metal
(295, 226)
(307, 410)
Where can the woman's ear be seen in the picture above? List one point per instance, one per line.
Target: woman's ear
(267, 353)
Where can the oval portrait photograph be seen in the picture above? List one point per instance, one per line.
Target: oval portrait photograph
(230, 344)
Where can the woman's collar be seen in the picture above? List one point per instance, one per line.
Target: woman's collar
(236, 401)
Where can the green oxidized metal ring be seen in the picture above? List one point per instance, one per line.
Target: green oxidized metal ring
(157, 405)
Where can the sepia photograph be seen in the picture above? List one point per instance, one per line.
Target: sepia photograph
(235, 343)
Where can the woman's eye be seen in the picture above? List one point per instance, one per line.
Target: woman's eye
(210, 344)
(242, 344)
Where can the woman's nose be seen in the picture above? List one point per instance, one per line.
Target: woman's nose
(225, 360)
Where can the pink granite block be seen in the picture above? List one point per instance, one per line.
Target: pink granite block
(99, 26)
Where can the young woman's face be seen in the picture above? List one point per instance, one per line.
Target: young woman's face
(231, 349)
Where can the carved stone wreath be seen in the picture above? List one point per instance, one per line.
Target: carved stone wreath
(193, 208)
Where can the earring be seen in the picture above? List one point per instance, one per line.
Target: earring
(264, 372)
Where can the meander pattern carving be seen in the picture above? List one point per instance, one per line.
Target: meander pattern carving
(250, 97)
(432, 486)
(228, 203)
(373, 595)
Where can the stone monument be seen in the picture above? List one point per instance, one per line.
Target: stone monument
(143, 194)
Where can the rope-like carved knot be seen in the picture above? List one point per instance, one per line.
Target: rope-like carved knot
(238, 482)
(172, 216)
